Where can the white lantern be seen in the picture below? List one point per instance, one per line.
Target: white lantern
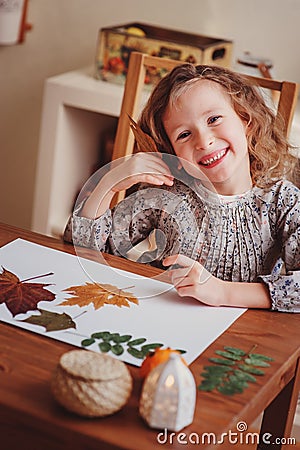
(168, 395)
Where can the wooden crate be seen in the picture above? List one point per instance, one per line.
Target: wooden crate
(116, 43)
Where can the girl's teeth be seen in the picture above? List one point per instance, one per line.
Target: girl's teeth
(215, 158)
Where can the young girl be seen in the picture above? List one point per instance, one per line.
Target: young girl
(223, 218)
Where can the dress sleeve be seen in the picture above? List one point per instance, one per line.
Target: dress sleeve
(118, 230)
(91, 233)
(284, 281)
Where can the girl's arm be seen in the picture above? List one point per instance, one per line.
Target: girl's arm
(90, 224)
(248, 295)
(193, 280)
(284, 281)
(139, 168)
(279, 290)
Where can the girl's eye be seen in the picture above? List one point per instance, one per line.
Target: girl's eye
(212, 120)
(183, 135)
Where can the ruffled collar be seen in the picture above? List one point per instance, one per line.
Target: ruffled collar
(215, 198)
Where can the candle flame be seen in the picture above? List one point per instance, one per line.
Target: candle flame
(169, 381)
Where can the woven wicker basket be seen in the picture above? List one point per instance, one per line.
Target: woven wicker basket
(91, 384)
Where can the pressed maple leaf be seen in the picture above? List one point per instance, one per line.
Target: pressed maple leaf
(21, 296)
(99, 295)
(52, 321)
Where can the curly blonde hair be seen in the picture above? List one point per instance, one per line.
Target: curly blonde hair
(269, 150)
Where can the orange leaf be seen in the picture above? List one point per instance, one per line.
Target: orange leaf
(99, 295)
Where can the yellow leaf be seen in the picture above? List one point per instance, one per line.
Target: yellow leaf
(99, 295)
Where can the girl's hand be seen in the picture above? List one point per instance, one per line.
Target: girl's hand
(193, 280)
(138, 168)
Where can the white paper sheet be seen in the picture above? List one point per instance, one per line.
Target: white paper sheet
(161, 315)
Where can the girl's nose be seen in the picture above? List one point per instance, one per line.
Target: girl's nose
(204, 140)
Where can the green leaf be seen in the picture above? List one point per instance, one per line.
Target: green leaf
(135, 352)
(237, 381)
(97, 335)
(227, 389)
(229, 355)
(106, 336)
(135, 342)
(87, 342)
(117, 349)
(235, 351)
(232, 387)
(117, 344)
(260, 357)
(251, 369)
(217, 369)
(225, 362)
(148, 347)
(114, 337)
(124, 338)
(209, 385)
(244, 376)
(104, 346)
(232, 374)
(256, 362)
(213, 376)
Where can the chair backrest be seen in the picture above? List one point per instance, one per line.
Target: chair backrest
(138, 64)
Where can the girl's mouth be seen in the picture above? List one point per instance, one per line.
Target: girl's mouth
(214, 159)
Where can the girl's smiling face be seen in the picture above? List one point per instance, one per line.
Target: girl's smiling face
(209, 137)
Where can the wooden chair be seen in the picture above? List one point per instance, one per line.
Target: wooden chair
(139, 62)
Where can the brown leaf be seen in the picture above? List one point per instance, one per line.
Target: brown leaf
(99, 295)
(144, 142)
(21, 296)
(52, 321)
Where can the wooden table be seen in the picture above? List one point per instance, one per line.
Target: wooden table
(30, 419)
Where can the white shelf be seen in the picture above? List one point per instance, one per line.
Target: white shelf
(76, 110)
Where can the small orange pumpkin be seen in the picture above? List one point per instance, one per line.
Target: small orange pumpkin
(155, 358)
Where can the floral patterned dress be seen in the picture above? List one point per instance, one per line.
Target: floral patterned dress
(253, 237)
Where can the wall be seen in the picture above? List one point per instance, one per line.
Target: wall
(64, 38)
